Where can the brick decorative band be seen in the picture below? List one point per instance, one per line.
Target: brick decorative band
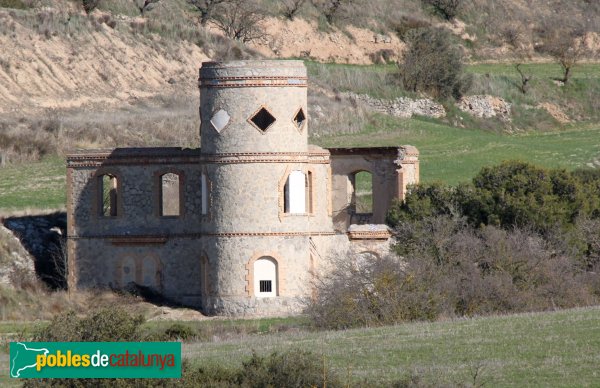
(107, 159)
(253, 81)
(162, 238)
(138, 240)
(379, 235)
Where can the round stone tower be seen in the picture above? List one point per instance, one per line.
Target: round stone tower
(257, 186)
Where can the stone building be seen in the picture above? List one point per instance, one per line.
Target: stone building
(242, 224)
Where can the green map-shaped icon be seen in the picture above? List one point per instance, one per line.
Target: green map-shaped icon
(23, 358)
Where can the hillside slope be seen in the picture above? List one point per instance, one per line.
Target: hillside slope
(87, 63)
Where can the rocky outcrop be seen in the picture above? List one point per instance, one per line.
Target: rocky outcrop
(485, 106)
(14, 259)
(42, 237)
(402, 106)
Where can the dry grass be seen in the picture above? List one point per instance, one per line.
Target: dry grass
(163, 121)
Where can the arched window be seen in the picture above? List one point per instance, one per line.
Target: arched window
(361, 201)
(265, 277)
(295, 193)
(108, 195)
(170, 196)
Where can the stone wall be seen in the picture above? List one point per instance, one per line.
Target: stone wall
(403, 107)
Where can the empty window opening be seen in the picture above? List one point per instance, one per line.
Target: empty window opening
(265, 277)
(204, 193)
(295, 193)
(220, 120)
(262, 119)
(361, 201)
(299, 119)
(169, 195)
(108, 194)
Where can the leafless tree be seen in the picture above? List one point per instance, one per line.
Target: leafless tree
(330, 8)
(514, 36)
(206, 8)
(240, 20)
(291, 7)
(89, 5)
(145, 5)
(565, 43)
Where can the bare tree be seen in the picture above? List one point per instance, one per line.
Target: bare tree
(89, 5)
(206, 8)
(291, 7)
(330, 8)
(145, 5)
(240, 20)
(566, 44)
(514, 36)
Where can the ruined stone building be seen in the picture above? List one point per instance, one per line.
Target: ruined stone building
(242, 224)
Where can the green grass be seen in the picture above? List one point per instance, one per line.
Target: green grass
(218, 328)
(548, 70)
(545, 349)
(452, 155)
(38, 185)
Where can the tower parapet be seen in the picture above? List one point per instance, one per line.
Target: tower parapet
(253, 107)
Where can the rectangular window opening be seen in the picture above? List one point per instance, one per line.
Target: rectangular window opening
(169, 195)
(265, 286)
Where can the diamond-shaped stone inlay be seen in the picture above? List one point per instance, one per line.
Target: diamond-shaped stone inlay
(220, 120)
(299, 119)
(262, 119)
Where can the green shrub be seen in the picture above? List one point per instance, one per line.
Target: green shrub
(178, 331)
(433, 64)
(406, 23)
(295, 368)
(104, 325)
(447, 9)
(507, 195)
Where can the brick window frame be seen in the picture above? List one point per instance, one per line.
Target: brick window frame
(281, 272)
(158, 192)
(98, 195)
(310, 197)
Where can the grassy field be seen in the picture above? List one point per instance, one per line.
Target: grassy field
(39, 185)
(452, 155)
(559, 349)
(545, 349)
(548, 70)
